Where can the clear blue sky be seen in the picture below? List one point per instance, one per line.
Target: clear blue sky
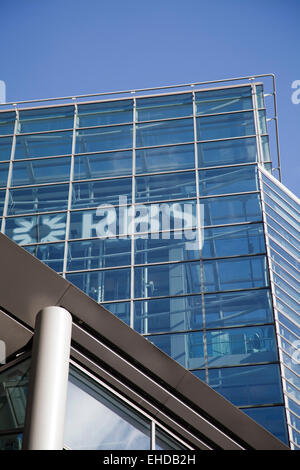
(67, 47)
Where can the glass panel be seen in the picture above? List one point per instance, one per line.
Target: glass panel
(99, 253)
(41, 171)
(43, 145)
(165, 159)
(164, 107)
(120, 310)
(286, 221)
(102, 165)
(231, 209)
(38, 199)
(165, 187)
(262, 122)
(52, 255)
(11, 442)
(5, 148)
(221, 101)
(266, 156)
(224, 347)
(284, 321)
(13, 393)
(292, 282)
(7, 122)
(250, 385)
(163, 441)
(165, 132)
(287, 266)
(225, 126)
(272, 187)
(96, 419)
(49, 119)
(101, 114)
(161, 249)
(226, 152)
(260, 96)
(238, 308)
(96, 193)
(275, 200)
(104, 138)
(284, 243)
(3, 173)
(2, 200)
(167, 280)
(103, 285)
(42, 228)
(288, 288)
(235, 273)
(292, 378)
(170, 314)
(272, 418)
(233, 240)
(228, 180)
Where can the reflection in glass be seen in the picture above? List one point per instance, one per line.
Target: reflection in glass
(104, 138)
(96, 193)
(38, 199)
(228, 180)
(102, 165)
(240, 208)
(165, 187)
(272, 418)
(105, 285)
(226, 152)
(221, 101)
(169, 158)
(5, 148)
(101, 114)
(52, 255)
(41, 171)
(7, 122)
(43, 145)
(96, 419)
(164, 132)
(164, 107)
(225, 126)
(3, 173)
(46, 119)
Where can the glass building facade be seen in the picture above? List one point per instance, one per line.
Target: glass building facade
(163, 209)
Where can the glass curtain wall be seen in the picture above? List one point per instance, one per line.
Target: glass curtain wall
(152, 206)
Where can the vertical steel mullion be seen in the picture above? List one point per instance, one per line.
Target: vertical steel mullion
(132, 216)
(274, 302)
(70, 192)
(10, 170)
(199, 236)
(257, 124)
(152, 436)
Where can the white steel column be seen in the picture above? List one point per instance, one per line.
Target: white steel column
(46, 405)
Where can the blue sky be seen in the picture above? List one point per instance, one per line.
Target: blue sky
(67, 47)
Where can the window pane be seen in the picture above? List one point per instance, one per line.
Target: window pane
(224, 347)
(238, 308)
(3, 173)
(96, 419)
(231, 209)
(161, 249)
(164, 187)
(228, 180)
(2, 200)
(88, 224)
(221, 101)
(101, 114)
(100, 253)
(42, 228)
(41, 171)
(225, 126)
(235, 273)
(5, 148)
(164, 107)
(102, 165)
(95, 193)
(226, 152)
(165, 159)
(165, 132)
(272, 418)
(252, 385)
(50, 119)
(103, 285)
(43, 145)
(38, 199)
(7, 123)
(120, 310)
(13, 394)
(167, 315)
(104, 138)
(233, 240)
(52, 254)
(167, 280)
